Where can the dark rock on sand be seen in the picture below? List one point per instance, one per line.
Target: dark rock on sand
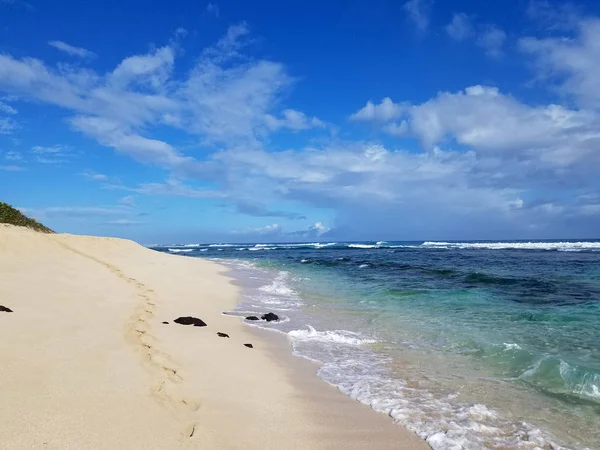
(188, 320)
(222, 334)
(5, 309)
(252, 318)
(249, 345)
(166, 323)
(269, 317)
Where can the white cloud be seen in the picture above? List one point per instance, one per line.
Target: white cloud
(554, 16)
(213, 8)
(174, 188)
(318, 228)
(273, 229)
(13, 156)
(152, 70)
(128, 200)
(8, 125)
(226, 99)
(491, 39)
(484, 119)
(71, 50)
(385, 111)
(102, 215)
(7, 109)
(56, 154)
(293, 120)
(12, 168)
(17, 3)
(460, 27)
(573, 62)
(276, 232)
(418, 12)
(485, 154)
(123, 222)
(54, 150)
(73, 211)
(94, 176)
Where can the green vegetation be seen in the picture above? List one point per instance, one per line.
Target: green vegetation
(13, 216)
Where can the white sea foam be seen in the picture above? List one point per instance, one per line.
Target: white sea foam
(443, 422)
(348, 362)
(181, 250)
(362, 266)
(279, 286)
(222, 245)
(203, 249)
(362, 246)
(511, 346)
(560, 246)
(334, 336)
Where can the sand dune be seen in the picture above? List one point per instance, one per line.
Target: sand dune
(86, 362)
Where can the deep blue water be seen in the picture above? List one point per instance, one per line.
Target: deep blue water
(471, 345)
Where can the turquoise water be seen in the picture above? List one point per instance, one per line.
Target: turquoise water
(470, 345)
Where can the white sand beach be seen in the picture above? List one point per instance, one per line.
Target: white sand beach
(86, 362)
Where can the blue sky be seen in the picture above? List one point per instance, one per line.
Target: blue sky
(286, 121)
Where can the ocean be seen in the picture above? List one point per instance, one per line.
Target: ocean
(471, 345)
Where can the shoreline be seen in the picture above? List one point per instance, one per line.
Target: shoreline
(89, 363)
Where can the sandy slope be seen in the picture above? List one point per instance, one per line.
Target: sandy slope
(86, 363)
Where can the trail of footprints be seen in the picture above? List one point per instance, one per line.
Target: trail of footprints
(138, 332)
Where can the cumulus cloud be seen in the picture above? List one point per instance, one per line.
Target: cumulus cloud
(293, 120)
(482, 118)
(71, 50)
(385, 111)
(225, 99)
(573, 63)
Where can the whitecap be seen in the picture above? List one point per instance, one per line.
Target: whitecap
(559, 246)
(329, 336)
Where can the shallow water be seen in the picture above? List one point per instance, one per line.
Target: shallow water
(470, 345)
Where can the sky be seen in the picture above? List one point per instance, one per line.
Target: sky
(233, 121)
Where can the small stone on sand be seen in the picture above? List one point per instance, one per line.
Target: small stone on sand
(188, 320)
